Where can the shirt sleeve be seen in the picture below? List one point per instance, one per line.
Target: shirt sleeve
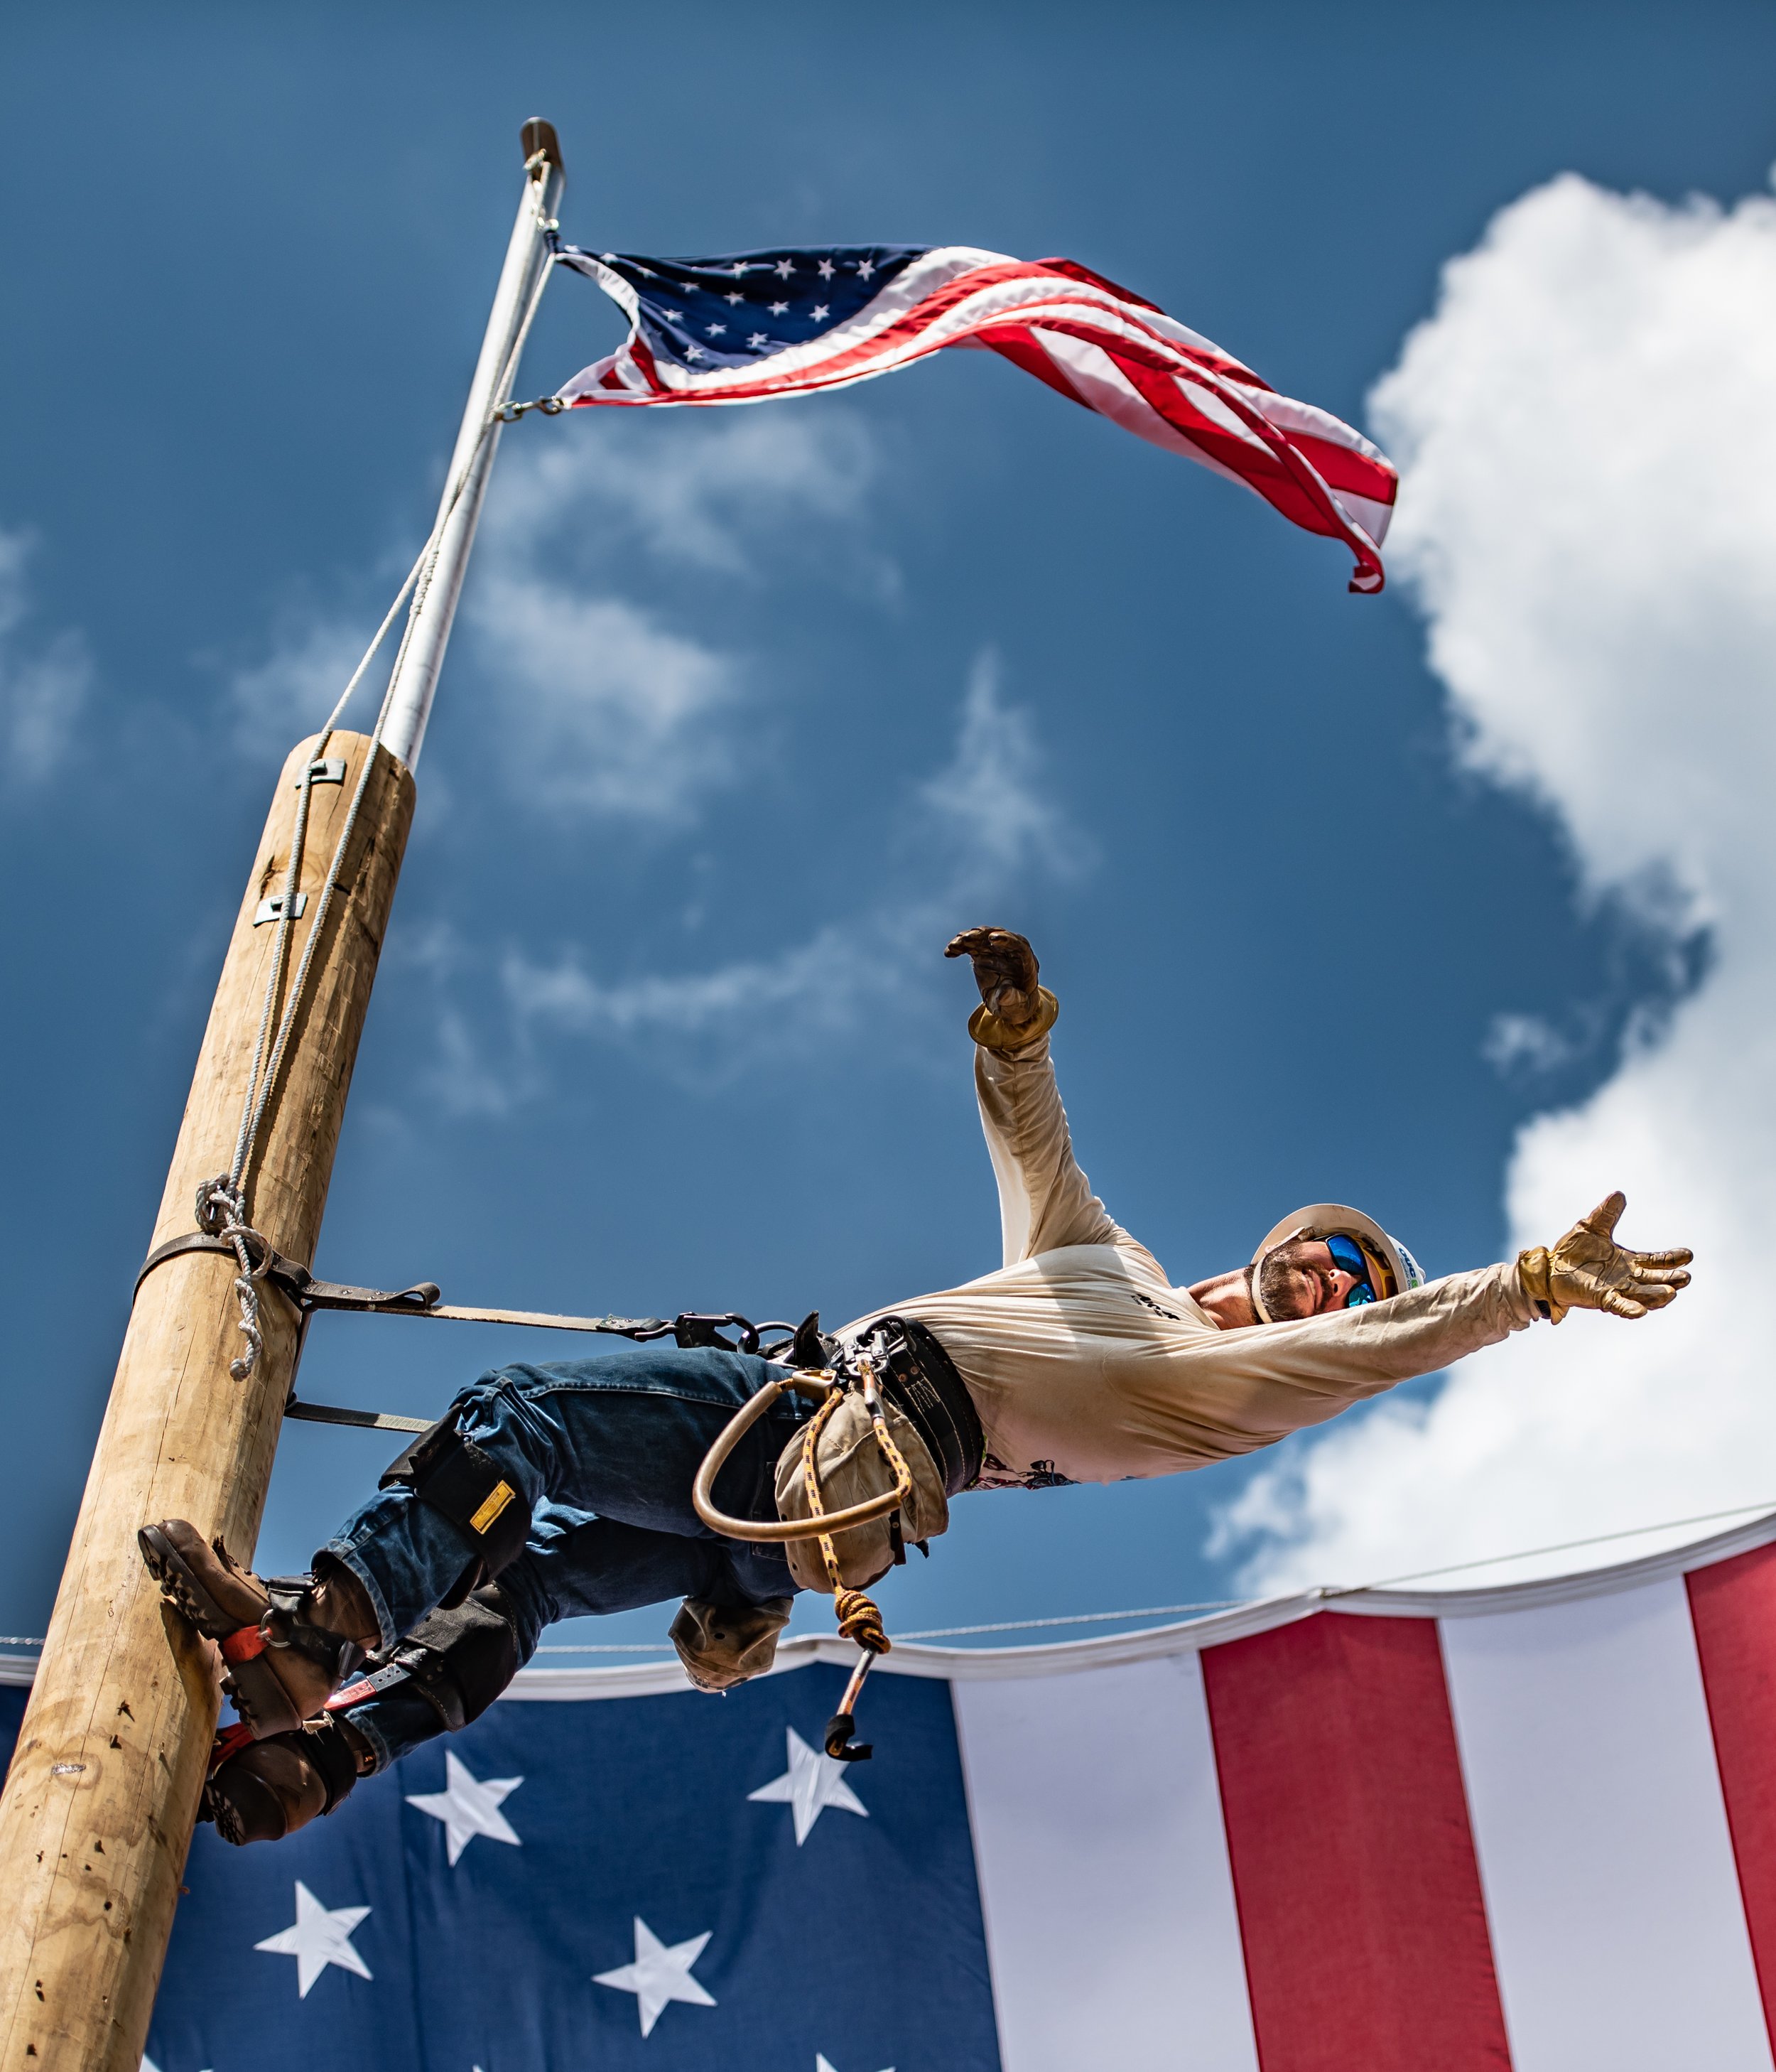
(1045, 1201)
(1269, 1379)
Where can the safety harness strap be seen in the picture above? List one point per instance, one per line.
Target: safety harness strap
(308, 1292)
(801, 1345)
(458, 1661)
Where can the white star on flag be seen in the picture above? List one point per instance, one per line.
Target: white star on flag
(783, 270)
(820, 312)
(821, 2063)
(661, 1972)
(467, 1807)
(777, 309)
(825, 270)
(865, 268)
(321, 1936)
(813, 1782)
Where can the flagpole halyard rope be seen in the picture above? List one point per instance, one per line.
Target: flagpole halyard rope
(223, 1204)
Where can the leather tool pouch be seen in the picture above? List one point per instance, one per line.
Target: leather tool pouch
(851, 1469)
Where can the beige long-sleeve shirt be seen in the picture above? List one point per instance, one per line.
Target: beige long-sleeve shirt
(1086, 1362)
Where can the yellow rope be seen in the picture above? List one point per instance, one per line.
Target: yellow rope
(810, 1484)
(859, 1619)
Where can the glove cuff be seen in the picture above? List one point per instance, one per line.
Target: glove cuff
(991, 1034)
(1535, 1269)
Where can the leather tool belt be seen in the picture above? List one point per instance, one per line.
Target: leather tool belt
(921, 1380)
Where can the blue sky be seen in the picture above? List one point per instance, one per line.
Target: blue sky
(662, 1021)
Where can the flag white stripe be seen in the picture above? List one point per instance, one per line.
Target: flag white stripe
(1611, 1886)
(1109, 391)
(1374, 518)
(1103, 1867)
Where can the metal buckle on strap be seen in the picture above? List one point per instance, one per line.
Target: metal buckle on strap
(293, 1278)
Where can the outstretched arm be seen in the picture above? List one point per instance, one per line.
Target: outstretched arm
(1272, 1379)
(1045, 1201)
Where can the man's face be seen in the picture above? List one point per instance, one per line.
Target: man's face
(1299, 1278)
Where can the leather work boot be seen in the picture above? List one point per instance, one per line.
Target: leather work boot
(262, 1790)
(287, 1642)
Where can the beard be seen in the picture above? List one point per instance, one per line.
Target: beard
(1286, 1288)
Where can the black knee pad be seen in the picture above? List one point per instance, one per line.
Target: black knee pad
(474, 1645)
(456, 1662)
(457, 1478)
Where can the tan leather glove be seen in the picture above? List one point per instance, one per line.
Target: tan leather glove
(1015, 1009)
(722, 1645)
(1588, 1270)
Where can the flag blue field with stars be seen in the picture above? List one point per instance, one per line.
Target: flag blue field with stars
(665, 1882)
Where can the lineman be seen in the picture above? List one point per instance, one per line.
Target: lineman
(550, 1492)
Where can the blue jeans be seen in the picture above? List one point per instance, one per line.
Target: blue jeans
(604, 1451)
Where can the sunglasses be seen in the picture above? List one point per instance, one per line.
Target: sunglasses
(1348, 1256)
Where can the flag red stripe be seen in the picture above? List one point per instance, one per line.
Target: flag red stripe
(1343, 469)
(1354, 1870)
(1733, 1609)
(1279, 475)
(1017, 343)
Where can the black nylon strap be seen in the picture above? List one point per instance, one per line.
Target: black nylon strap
(423, 1299)
(296, 1281)
(922, 1384)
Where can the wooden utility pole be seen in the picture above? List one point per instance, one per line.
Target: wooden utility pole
(98, 1808)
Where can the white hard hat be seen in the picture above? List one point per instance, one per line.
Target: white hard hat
(1398, 1270)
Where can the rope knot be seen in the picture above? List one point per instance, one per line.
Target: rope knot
(859, 1620)
(218, 1203)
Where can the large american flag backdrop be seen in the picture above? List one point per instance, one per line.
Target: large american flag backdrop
(756, 325)
(1530, 1827)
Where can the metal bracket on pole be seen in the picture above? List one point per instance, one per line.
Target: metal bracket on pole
(530, 252)
(272, 909)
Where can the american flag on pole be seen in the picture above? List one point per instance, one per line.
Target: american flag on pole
(754, 325)
(1529, 1828)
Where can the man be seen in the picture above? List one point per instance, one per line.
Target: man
(549, 1492)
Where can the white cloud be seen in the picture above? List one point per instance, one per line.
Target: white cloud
(973, 831)
(712, 490)
(43, 681)
(603, 707)
(290, 693)
(1588, 429)
(988, 799)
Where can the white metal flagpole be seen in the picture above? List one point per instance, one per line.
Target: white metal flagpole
(415, 678)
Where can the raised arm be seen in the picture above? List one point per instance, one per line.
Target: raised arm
(1045, 1201)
